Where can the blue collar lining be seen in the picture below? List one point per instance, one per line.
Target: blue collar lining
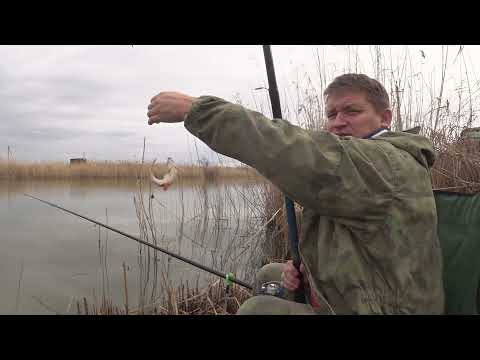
(372, 134)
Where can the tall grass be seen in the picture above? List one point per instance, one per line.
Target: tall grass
(117, 170)
(182, 299)
(223, 229)
(220, 232)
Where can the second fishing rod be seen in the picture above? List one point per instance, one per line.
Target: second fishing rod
(229, 278)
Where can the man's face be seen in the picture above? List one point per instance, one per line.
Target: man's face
(350, 114)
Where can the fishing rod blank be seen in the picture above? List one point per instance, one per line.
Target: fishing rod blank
(229, 277)
(289, 205)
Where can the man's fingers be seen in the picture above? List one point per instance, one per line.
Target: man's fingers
(153, 116)
(291, 277)
(155, 97)
(151, 119)
(287, 275)
(168, 107)
(289, 281)
(163, 93)
(290, 285)
(153, 112)
(292, 271)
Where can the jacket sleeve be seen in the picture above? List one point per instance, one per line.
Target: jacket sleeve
(334, 176)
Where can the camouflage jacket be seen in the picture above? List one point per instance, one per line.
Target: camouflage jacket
(369, 228)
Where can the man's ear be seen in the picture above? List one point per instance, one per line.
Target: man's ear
(386, 119)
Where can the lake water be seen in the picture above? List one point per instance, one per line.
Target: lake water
(50, 259)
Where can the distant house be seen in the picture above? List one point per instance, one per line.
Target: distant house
(77, 161)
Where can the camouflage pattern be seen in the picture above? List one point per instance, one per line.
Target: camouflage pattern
(369, 239)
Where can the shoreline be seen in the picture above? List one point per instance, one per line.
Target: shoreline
(121, 171)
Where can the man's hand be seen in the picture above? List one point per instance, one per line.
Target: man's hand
(291, 277)
(169, 107)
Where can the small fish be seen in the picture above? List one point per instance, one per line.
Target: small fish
(167, 180)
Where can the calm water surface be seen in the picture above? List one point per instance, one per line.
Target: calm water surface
(50, 259)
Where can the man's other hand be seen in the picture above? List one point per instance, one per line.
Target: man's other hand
(291, 277)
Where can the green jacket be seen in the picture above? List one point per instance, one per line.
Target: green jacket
(369, 227)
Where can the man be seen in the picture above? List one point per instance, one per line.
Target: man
(369, 240)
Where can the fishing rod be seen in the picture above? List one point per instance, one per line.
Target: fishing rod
(228, 277)
(290, 208)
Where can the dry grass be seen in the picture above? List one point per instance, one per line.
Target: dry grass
(275, 245)
(457, 167)
(118, 171)
(224, 213)
(182, 300)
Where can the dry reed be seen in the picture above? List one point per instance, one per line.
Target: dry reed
(118, 170)
(181, 300)
(457, 168)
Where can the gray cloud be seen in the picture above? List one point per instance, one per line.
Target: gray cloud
(58, 101)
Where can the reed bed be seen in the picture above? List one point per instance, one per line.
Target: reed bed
(457, 168)
(181, 300)
(225, 228)
(94, 170)
(221, 228)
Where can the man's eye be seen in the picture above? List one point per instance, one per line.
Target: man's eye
(353, 112)
(331, 116)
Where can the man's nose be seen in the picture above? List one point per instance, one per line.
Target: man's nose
(339, 120)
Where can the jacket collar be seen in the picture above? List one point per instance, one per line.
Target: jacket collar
(376, 133)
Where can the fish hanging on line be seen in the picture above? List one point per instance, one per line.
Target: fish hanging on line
(167, 180)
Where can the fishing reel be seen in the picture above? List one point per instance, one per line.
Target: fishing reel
(272, 288)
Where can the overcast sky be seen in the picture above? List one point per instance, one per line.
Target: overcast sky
(59, 102)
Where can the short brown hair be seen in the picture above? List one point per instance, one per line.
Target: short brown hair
(374, 90)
